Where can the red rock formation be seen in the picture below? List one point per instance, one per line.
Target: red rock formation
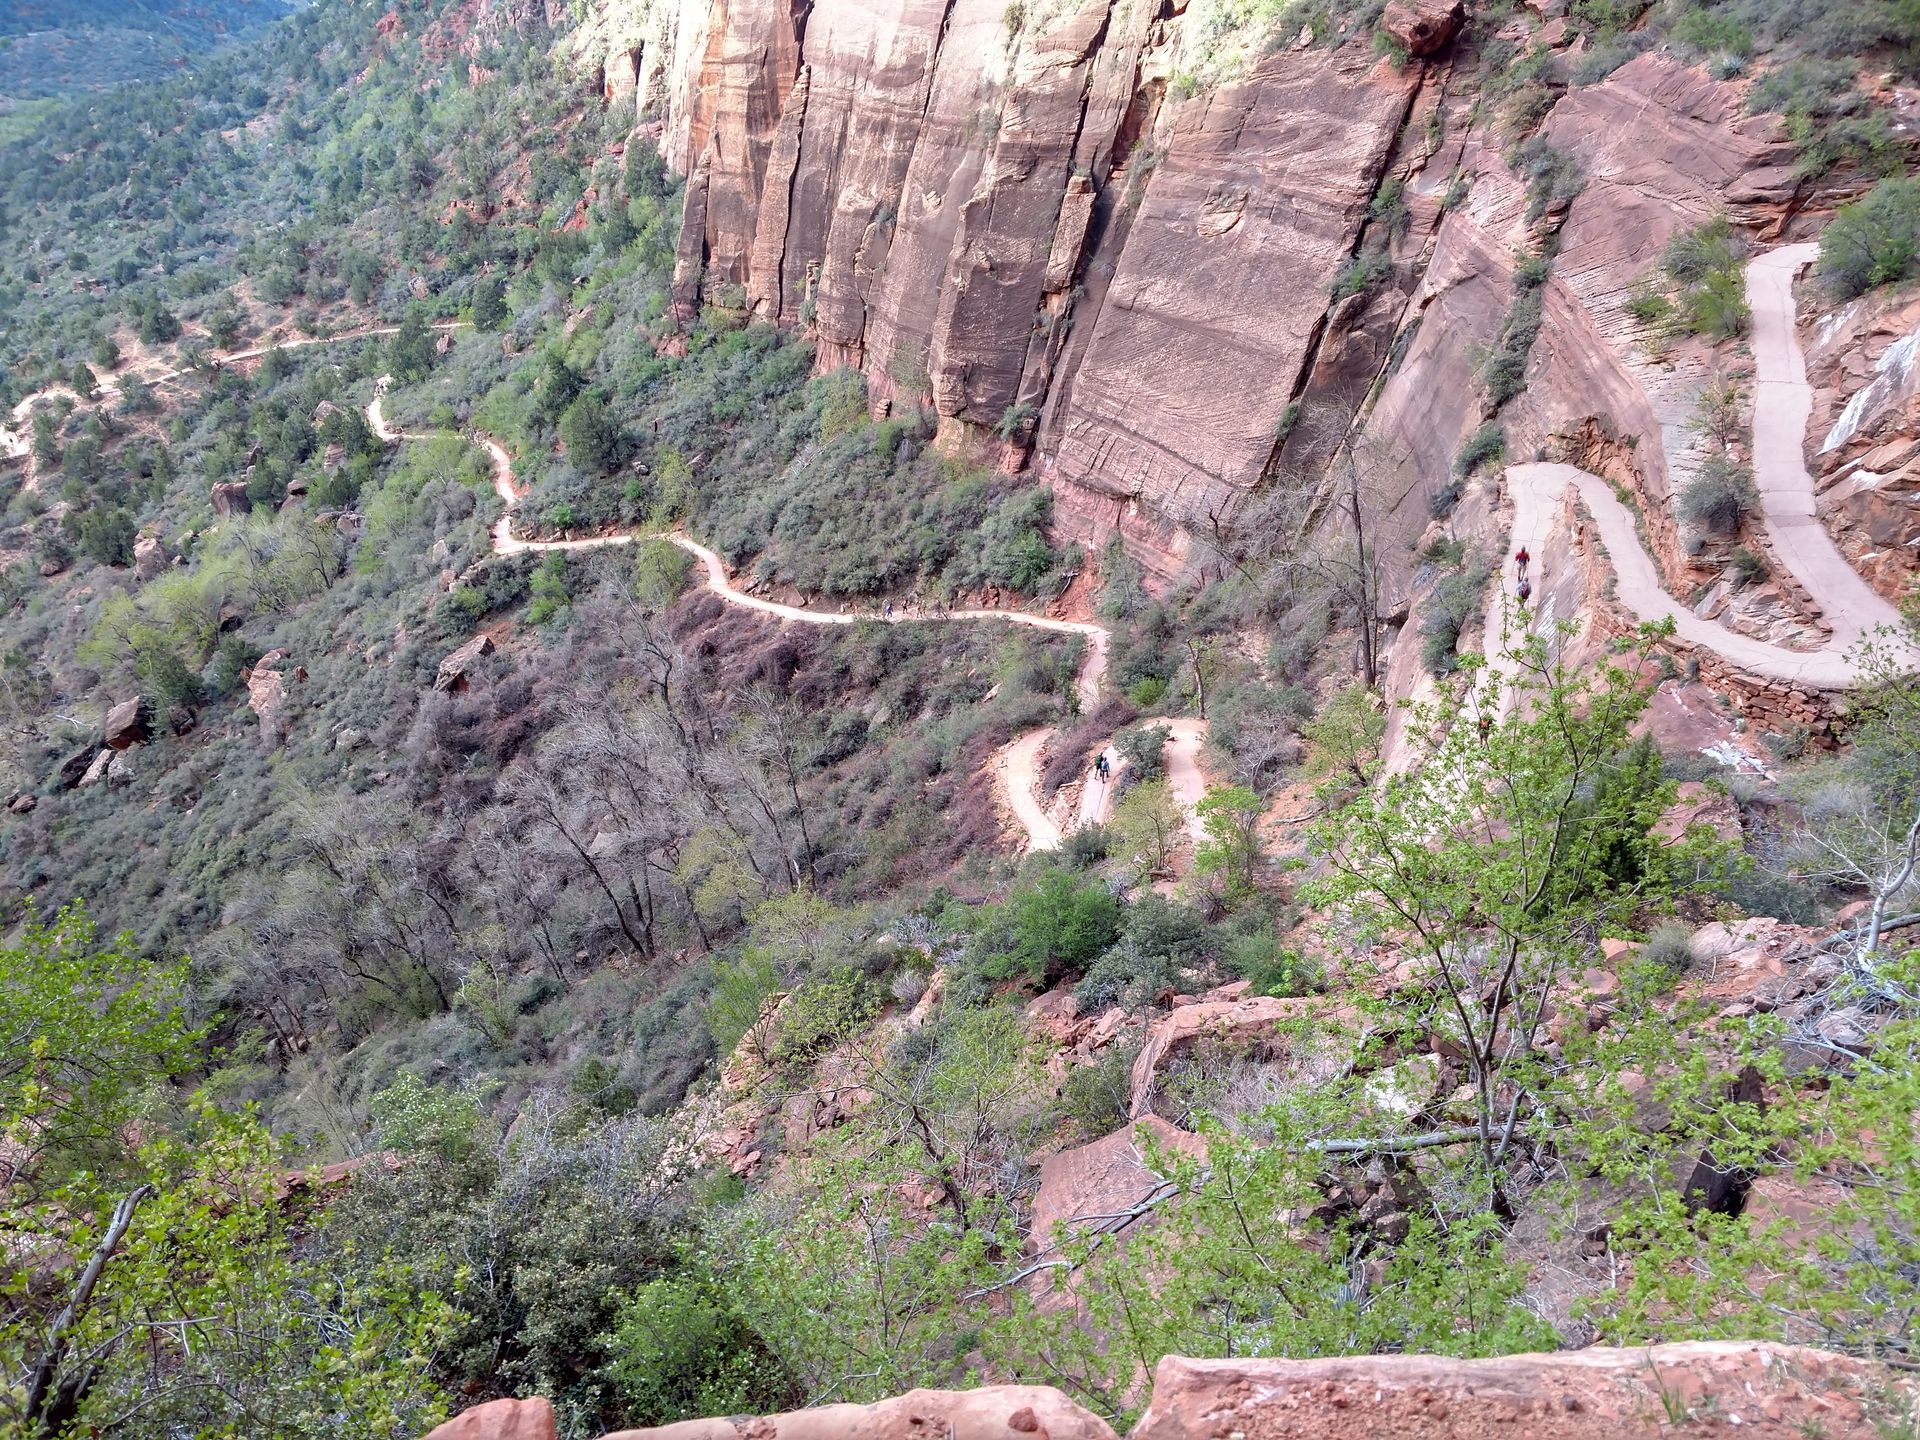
(1220, 292)
(500, 1420)
(993, 1412)
(1104, 1179)
(1706, 1388)
(1778, 1391)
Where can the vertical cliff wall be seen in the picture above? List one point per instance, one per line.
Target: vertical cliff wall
(1024, 216)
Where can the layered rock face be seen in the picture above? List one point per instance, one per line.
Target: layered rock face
(1780, 1392)
(1864, 445)
(996, 212)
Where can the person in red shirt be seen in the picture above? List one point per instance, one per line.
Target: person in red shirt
(1520, 561)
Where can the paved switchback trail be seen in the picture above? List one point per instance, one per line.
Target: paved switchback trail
(1782, 401)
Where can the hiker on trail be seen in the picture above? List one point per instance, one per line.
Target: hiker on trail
(1525, 591)
(889, 609)
(1520, 560)
(1100, 765)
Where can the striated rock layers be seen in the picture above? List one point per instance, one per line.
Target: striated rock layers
(997, 213)
(1028, 220)
(1720, 1388)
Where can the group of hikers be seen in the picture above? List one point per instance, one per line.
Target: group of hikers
(1525, 588)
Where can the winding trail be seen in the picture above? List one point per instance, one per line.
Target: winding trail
(1782, 401)
(1018, 765)
(14, 444)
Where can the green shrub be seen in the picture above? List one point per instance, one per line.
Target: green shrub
(1098, 1097)
(1710, 30)
(1059, 922)
(1874, 241)
(1748, 568)
(1454, 601)
(1668, 951)
(1552, 176)
(1144, 748)
(1704, 269)
(1486, 446)
(1503, 369)
(1362, 272)
(1146, 692)
(1719, 497)
(820, 1015)
(682, 1351)
(1274, 969)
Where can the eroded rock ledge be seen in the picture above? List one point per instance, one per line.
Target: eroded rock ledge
(1699, 1388)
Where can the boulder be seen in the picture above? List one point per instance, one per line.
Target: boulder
(22, 804)
(230, 498)
(119, 770)
(267, 698)
(1697, 804)
(97, 771)
(500, 1420)
(1593, 1394)
(455, 670)
(75, 765)
(149, 558)
(129, 723)
(993, 1412)
(1252, 1023)
(1104, 1179)
(1054, 1016)
(1422, 26)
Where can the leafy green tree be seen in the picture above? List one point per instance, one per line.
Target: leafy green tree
(107, 536)
(1230, 816)
(557, 386)
(87, 1030)
(591, 434)
(1060, 921)
(410, 353)
(1147, 820)
(1496, 860)
(1873, 241)
(166, 1296)
(489, 304)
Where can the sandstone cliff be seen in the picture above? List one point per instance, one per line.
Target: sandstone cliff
(1031, 219)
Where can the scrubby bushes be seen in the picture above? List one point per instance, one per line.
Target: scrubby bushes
(1873, 241)
(1719, 497)
(1454, 601)
(1485, 447)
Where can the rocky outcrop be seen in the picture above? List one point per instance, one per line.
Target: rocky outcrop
(230, 498)
(149, 558)
(500, 1420)
(267, 681)
(129, 723)
(1715, 1388)
(456, 670)
(1259, 1027)
(993, 1412)
(1707, 1388)
(1220, 293)
(1095, 1186)
(1864, 434)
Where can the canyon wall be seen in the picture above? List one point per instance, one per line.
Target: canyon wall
(1026, 217)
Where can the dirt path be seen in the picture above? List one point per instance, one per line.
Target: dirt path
(14, 444)
(1018, 764)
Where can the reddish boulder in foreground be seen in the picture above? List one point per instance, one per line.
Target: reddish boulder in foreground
(500, 1420)
(1724, 1387)
(993, 1412)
